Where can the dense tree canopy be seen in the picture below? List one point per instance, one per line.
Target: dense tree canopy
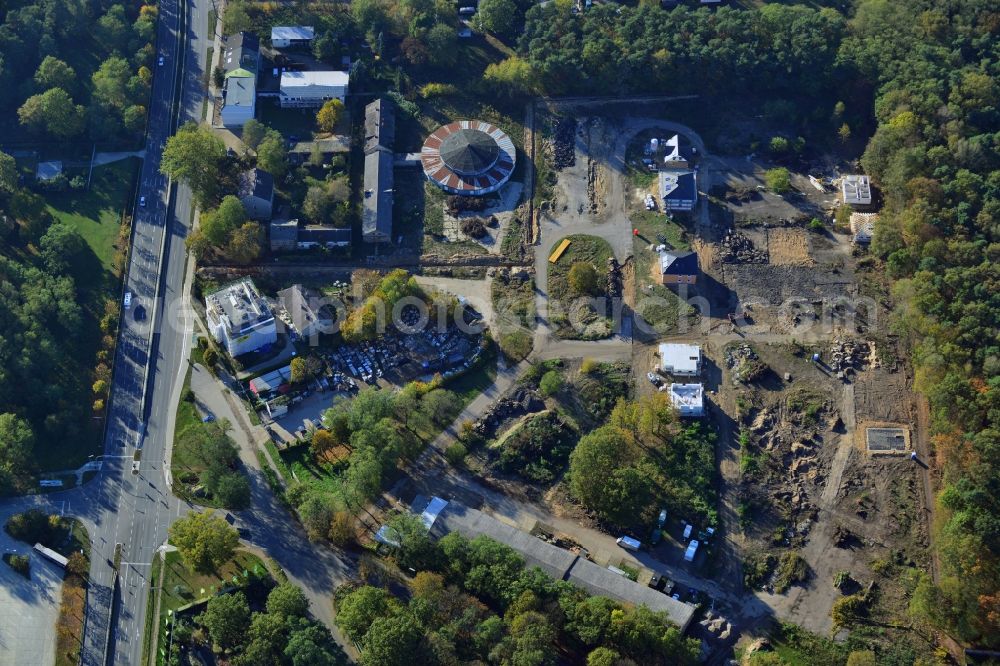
(641, 459)
(476, 603)
(72, 69)
(193, 156)
(205, 541)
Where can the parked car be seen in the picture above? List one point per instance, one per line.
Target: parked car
(653, 378)
(691, 551)
(628, 543)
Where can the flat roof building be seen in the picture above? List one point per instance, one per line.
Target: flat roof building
(689, 399)
(286, 36)
(323, 235)
(276, 381)
(240, 318)
(284, 235)
(302, 90)
(376, 204)
(856, 189)
(48, 170)
(680, 359)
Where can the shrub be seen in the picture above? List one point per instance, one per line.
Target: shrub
(32, 526)
(19, 563)
(551, 383)
(816, 225)
(847, 610)
(456, 453)
(342, 529)
(779, 145)
(778, 180)
(582, 279)
(437, 90)
(77, 564)
(792, 569)
(473, 227)
(589, 366)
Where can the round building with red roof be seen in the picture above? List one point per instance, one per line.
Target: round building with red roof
(468, 157)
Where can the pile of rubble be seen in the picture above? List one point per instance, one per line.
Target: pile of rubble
(849, 355)
(518, 402)
(717, 625)
(592, 184)
(738, 249)
(614, 278)
(564, 143)
(744, 363)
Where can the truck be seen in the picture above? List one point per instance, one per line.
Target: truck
(692, 549)
(628, 543)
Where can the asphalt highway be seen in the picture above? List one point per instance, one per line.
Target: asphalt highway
(128, 503)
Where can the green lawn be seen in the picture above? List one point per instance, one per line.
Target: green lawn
(657, 304)
(97, 213)
(583, 248)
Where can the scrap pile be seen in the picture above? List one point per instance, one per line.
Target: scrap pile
(738, 249)
(744, 363)
(518, 402)
(849, 354)
(563, 143)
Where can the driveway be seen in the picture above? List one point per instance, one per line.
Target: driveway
(318, 570)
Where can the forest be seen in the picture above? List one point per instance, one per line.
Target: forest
(75, 69)
(472, 601)
(55, 342)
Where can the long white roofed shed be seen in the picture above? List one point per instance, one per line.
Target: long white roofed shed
(283, 36)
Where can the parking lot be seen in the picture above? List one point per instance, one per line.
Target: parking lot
(28, 608)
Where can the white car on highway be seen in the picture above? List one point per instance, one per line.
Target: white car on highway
(142, 201)
(128, 300)
(160, 61)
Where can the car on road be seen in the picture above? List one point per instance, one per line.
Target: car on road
(127, 303)
(142, 201)
(159, 61)
(653, 378)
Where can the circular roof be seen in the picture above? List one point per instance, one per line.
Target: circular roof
(469, 151)
(468, 157)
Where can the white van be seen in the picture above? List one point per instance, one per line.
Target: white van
(628, 543)
(691, 550)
